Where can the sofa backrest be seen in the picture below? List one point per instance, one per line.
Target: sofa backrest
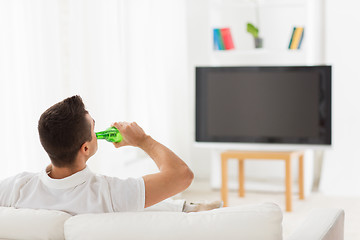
(31, 224)
(262, 221)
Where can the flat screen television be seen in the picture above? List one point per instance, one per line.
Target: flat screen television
(264, 104)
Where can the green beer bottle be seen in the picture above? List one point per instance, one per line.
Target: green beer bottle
(111, 135)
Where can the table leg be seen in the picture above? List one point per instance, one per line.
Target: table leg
(224, 181)
(241, 178)
(301, 176)
(288, 183)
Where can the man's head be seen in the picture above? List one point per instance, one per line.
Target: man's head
(66, 130)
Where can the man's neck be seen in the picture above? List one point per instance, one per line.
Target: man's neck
(59, 173)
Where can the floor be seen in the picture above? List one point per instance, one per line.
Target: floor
(200, 191)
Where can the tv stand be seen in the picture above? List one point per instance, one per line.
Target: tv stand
(241, 156)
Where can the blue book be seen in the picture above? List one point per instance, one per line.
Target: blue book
(218, 41)
(301, 38)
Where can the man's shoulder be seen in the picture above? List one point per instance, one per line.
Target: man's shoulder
(20, 177)
(10, 187)
(25, 175)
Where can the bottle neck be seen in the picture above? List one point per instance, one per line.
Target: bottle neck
(101, 135)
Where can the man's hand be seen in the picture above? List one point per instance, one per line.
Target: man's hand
(133, 134)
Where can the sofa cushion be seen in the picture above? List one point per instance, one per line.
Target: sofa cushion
(31, 224)
(262, 221)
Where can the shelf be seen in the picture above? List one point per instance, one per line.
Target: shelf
(241, 52)
(259, 57)
(260, 51)
(261, 3)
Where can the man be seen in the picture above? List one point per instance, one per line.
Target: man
(67, 134)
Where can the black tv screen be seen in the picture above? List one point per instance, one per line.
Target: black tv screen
(286, 105)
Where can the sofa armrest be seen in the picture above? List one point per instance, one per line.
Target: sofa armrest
(321, 224)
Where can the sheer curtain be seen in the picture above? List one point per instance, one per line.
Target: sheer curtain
(30, 79)
(127, 59)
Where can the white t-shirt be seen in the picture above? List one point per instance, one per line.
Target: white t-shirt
(82, 192)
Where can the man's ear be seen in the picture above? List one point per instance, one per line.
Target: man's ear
(85, 149)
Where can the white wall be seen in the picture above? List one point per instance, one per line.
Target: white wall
(342, 164)
(197, 16)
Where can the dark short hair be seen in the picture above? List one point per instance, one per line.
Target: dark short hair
(63, 129)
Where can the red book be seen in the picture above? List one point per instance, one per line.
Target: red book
(227, 39)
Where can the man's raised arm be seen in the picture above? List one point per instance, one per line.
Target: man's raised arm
(174, 176)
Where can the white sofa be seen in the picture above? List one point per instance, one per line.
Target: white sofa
(250, 222)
